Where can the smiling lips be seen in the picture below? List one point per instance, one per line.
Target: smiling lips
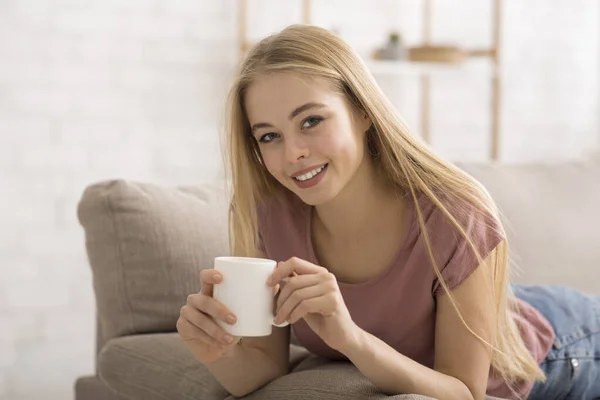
(309, 177)
(303, 176)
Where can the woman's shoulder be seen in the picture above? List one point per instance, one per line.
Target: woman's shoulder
(466, 212)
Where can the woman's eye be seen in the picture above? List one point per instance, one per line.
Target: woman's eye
(311, 121)
(267, 137)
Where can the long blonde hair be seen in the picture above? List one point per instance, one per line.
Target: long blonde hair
(406, 161)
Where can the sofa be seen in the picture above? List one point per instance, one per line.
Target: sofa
(146, 244)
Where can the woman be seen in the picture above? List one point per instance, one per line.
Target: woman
(395, 260)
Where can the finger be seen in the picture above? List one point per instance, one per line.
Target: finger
(208, 278)
(283, 270)
(212, 307)
(296, 283)
(206, 324)
(296, 298)
(313, 305)
(294, 264)
(190, 331)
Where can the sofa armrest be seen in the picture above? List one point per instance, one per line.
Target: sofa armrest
(159, 366)
(156, 366)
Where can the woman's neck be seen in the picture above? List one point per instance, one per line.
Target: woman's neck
(364, 204)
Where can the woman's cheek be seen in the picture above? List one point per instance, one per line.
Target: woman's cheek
(337, 142)
(273, 167)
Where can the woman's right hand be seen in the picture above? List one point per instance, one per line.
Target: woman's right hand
(196, 324)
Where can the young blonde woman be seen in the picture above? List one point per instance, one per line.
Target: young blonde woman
(395, 259)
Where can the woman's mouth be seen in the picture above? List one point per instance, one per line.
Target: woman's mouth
(311, 174)
(311, 178)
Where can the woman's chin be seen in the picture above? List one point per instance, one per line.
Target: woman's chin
(315, 198)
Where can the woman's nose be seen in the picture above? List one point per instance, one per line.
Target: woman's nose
(295, 149)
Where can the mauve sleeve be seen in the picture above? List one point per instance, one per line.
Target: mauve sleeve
(460, 260)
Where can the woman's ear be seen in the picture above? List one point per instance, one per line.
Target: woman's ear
(365, 122)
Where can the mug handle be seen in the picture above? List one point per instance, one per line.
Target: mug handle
(284, 323)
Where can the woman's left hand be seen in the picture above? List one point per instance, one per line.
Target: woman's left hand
(312, 293)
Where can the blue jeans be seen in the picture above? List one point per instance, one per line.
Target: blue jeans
(573, 366)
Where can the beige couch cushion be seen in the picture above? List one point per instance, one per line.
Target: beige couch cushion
(146, 245)
(156, 366)
(552, 219)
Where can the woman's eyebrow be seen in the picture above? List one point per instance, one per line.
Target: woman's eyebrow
(305, 107)
(293, 114)
(261, 125)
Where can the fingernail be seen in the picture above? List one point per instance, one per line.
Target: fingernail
(230, 319)
(216, 277)
(228, 338)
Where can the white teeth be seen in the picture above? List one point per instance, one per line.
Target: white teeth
(310, 174)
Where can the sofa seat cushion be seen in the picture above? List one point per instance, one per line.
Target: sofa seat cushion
(90, 387)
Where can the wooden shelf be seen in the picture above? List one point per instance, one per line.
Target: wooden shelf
(406, 67)
(391, 68)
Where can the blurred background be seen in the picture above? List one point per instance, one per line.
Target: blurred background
(100, 89)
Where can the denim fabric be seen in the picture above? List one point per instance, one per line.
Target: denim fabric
(573, 366)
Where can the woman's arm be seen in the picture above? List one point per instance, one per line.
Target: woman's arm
(462, 362)
(253, 363)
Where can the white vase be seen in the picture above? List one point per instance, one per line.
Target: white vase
(393, 51)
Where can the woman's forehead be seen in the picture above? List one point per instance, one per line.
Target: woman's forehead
(280, 93)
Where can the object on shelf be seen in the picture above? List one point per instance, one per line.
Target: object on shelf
(394, 49)
(439, 54)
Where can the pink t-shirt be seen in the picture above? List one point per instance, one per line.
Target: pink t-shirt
(399, 305)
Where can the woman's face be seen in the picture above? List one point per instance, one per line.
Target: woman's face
(310, 139)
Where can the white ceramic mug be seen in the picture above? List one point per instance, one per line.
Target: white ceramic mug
(245, 292)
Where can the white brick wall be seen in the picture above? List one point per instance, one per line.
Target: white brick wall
(105, 88)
